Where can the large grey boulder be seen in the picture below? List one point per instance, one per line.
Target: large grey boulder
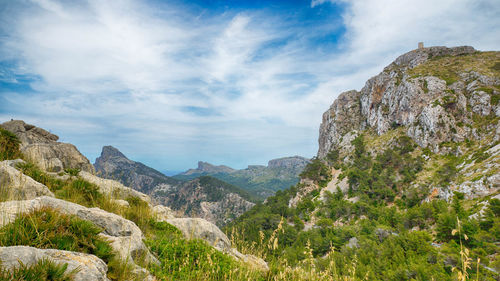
(41, 147)
(198, 228)
(88, 267)
(124, 235)
(15, 185)
(112, 187)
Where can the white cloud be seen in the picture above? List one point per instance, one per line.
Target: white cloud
(170, 86)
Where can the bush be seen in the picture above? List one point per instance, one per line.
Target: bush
(9, 145)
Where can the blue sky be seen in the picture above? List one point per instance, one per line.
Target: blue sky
(229, 82)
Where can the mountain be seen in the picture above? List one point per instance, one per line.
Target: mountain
(112, 164)
(78, 226)
(260, 181)
(206, 197)
(207, 168)
(406, 183)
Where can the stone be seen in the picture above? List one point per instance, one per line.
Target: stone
(41, 148)
(88, 267)
(163, 213)
(353, 243)
(18, 186)
(124, 235)
(112, 187)
(197, 228)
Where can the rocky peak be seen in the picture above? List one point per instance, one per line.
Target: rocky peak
(432, 92)
(207, 168)
(109, 151)
(27, 133)
(41, 147)
(292, 163)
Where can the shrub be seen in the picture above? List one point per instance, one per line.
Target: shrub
(9, 145)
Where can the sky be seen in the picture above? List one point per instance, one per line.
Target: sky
(230, 82)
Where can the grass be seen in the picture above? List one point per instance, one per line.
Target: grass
(448, 68)
(48, 229)
(44, 269)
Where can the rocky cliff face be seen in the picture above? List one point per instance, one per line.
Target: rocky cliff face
(294, 164)
(112, 164)
(436, 93)
(41, 147)
(445, 99)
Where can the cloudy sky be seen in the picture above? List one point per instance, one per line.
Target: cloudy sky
(229, 82)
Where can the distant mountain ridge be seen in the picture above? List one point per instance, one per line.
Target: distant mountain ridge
(206, 197)
(261, 181)
(113, 164)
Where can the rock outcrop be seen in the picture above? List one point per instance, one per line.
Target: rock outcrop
(197, 228)
(17, 186)
(112, 164)
(87, 267)
(112, 187)
(41, 147)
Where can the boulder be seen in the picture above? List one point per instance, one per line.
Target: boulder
(88, 267)
(163, 213)
(16, 185)
(197, 228)
(41, 147)
(124, 235)
(112, 187)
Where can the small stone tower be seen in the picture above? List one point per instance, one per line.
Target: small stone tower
(420, 45)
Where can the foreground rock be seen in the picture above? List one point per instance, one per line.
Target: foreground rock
(41, 147)
(125, 237)
(197, 228)
(112, 187)
(16, 185)
(88, 267)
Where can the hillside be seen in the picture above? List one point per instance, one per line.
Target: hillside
(61, 222)
(204, 197)
(406, 184)
(260, 181)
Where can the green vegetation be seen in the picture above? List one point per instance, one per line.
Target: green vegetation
(9, 145)
(48, 229)
(217, 189)
(317, 171)
(397, 235)
(448, 68)
(44, 269)
(183, 259)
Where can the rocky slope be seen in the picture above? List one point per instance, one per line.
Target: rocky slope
(206, 197)
(260, 181)
(112, 164)
(27, 193)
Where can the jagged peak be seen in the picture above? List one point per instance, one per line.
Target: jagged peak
(109, 151)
